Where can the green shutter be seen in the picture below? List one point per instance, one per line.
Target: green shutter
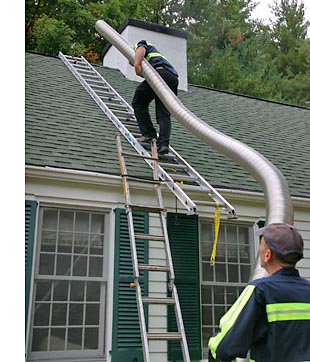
(126, 337)
(184, 242)
(30, 219)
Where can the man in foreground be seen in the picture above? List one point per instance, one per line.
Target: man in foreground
(271, 318)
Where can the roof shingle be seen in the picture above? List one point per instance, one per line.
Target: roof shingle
(65, 128)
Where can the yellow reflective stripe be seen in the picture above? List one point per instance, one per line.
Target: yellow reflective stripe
(153, 55)
(228, 320)
(288, 312)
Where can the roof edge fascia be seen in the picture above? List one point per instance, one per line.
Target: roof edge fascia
(252, 196)
(70, 175)
(97, 178)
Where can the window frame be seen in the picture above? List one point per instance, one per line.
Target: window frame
(224, 284)
(69, 354)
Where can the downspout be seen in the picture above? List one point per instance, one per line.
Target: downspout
(276, 192)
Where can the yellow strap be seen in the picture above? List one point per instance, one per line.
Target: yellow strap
(216, 232)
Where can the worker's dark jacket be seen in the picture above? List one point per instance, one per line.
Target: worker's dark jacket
(271, 318)
(154, 57)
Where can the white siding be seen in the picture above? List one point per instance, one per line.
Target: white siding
(106, 194)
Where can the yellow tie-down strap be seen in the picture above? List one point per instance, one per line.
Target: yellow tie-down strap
(216, 232)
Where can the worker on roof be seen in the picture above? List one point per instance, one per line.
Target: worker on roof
(271, 318)
(144, 94)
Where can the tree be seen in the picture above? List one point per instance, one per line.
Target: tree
(288, 34)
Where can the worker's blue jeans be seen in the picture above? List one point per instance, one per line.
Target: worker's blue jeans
(143, 96)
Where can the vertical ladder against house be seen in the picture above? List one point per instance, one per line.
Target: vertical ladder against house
(160, 211)
(178, 175)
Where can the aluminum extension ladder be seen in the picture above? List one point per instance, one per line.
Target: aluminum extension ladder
(177, 174)
(168, 268)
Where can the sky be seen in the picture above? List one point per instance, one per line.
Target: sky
(263, 12)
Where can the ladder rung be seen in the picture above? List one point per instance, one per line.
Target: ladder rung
(149, 237)
(149, 267)
(117, 105)
(164, 336)
(146, 208)
(148, 300)
(129, 154)
(144, 180)
(183, 177)
(173, 165)
(71, 58)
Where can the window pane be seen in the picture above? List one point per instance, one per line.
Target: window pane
(96, 244)
(231, 294)
(47, 262)
(77, 291)
(206, 295)
(74, 338)
(97, 224)
(63, 265)
(92, 314)
(233, 273)
(57, 342)
(245, 273)
(39, 339)
(219, 295)
(66, 220)
(61, 290)
(50, 219)
(82, 222)
(80, 265)
(207, 315)
(93, 291)
(95, 266)
(220, 272)
(48, 242)
(59, 314)
(76, 314)
(43, 291)
(65, 241)
(218, 313)
(207, 271)
(41, 314)
(91, 338)
(81, 243)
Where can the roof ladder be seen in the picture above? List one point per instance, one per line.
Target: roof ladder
(159, 212)
(173, 170)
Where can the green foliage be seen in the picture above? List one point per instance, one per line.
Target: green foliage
(226, 48)
(53, 35)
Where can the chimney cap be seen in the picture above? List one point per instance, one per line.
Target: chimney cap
(153, 27)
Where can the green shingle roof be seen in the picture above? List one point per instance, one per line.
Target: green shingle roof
(65, 128)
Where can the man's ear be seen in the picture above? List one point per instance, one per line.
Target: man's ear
(268, 255)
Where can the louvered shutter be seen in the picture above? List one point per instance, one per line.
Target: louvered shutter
(126, 337)
(184, 242)
(30, 218)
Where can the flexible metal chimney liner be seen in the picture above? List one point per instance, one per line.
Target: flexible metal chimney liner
(277, 196)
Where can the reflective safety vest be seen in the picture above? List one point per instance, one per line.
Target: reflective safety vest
(154, 57)
(271, 319)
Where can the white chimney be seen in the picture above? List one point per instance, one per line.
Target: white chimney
(170, 42)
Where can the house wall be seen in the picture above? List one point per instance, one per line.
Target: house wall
(94, 191)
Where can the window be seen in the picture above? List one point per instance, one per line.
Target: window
(70, 285)
(222, 283)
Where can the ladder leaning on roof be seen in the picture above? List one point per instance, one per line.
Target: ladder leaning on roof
(173, 170)
(160, 211)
